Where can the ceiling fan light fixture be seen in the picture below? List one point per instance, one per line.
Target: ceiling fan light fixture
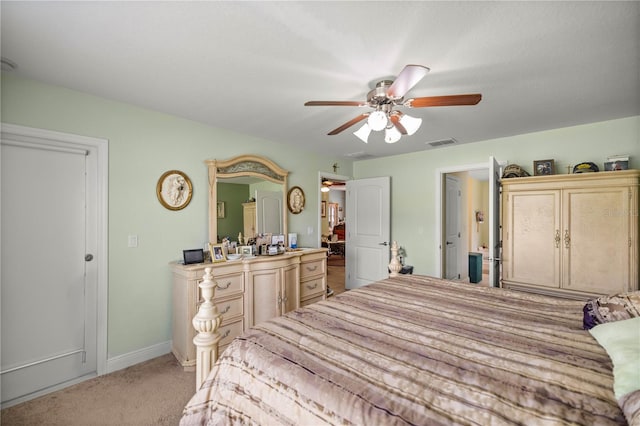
(325, 189)
(411, 124)
(392, 135)
(363, 133)
(377, 120)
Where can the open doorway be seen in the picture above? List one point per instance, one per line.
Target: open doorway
(464, 213)
(332, 227)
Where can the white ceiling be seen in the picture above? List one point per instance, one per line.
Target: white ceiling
(250, 66)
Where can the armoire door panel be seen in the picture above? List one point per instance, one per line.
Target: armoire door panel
(533, 253)
(596, 239)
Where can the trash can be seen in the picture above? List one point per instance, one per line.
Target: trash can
(475, 267)
(407, 269)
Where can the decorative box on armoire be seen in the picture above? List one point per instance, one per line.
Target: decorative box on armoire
(573, 235)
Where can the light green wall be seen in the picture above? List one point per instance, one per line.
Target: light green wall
(143, 144)
(233, 195)
(413, 176)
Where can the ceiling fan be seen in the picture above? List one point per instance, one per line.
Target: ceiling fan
(328, 183)
(389, 94)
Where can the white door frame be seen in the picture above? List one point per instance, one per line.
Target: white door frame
(101, 146)
(439, 179)
(326, 175)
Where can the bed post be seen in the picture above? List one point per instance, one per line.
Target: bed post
(206, 323)
(395, 266)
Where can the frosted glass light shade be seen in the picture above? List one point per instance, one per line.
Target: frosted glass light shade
(392, 135)
(324, 189)
(377, 120)
(363, 133)
(411, 124)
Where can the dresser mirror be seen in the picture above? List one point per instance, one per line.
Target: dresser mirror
(262, 180)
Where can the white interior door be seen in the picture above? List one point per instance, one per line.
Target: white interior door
(495, 246)
(452, 227)
(49, 285)
(269, 212)
(368, 223)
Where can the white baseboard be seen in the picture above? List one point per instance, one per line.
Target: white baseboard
(127, 360)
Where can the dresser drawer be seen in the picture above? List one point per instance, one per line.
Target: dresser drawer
(230, 331)
(315, 267)
(230, 308)
(312, 300)
(226, 285)
(313, 286)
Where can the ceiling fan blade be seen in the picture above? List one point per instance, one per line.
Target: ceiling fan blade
(396, 122)
(335, 103)
(436, 101)
(408, 77)
(348, 124)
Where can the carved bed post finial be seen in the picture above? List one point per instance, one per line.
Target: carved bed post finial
(206, 323)
(395, 266)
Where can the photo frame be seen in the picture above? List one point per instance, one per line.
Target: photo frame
(611, 166)
(220, 210)
(544, 167)
(217, 253)
(245, 250)
(323, 209)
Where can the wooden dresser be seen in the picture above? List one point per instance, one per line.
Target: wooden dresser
(572, 235)
(248, 292)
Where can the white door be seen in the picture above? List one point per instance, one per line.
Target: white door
(269, 212)
(367, 230)
(452, 227)
(49, 279)
(495, 245)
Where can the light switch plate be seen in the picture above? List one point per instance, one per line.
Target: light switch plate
(133, 241)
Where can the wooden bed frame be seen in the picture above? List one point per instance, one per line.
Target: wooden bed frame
(208, 319)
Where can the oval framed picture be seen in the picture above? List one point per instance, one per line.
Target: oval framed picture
(174, 190)
(295, 200)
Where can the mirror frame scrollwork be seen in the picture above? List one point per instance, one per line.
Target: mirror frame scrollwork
(243, 165)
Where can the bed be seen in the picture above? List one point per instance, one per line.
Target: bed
(415, 350)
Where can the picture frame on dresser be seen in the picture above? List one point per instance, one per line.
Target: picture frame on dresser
(217, 253)
(544, 167)
(245, 250)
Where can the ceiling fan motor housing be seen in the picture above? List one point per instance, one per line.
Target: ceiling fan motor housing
(378, 96)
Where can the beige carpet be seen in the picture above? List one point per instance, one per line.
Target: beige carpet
(150, 393)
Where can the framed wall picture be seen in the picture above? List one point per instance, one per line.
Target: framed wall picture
(220, 209)
(323, 209)
(544, 167)
(295, 200)
(217, 253)
(174, 190)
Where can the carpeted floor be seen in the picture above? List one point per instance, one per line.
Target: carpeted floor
(150, 393)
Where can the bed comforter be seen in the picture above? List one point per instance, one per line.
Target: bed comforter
(414, 350)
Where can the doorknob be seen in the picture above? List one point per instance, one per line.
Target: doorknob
(88, 257)
(448, 243)
(383, 244)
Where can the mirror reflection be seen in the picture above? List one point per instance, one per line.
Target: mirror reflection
(238, 211)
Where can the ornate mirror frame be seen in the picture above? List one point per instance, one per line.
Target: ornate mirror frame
(243, 165)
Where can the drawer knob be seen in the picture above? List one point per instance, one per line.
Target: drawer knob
(219, 287)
